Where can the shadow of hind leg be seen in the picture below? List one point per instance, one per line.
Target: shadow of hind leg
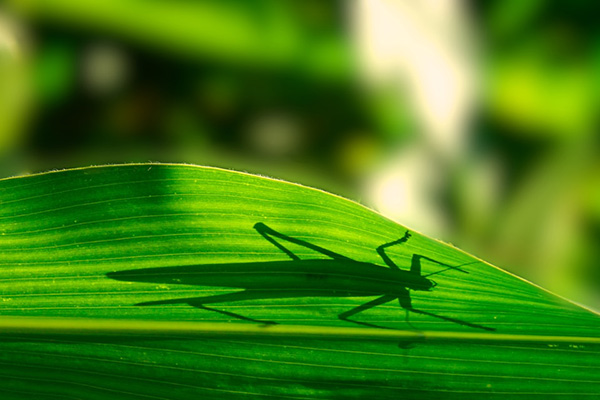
(345, 316)
(231, 314)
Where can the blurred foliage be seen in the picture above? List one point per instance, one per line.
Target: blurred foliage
(248, 85)
(276, 87)
(541, 121)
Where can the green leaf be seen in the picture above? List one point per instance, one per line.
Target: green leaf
(175, 282)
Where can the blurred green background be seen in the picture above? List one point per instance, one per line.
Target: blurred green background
(473, 122)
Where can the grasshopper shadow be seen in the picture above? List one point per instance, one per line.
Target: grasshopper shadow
(337, 276)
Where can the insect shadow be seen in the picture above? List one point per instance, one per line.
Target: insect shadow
(338, 276)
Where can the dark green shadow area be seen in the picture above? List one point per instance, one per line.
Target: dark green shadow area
(338, 276)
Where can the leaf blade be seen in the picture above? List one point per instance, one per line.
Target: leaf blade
(63, 234)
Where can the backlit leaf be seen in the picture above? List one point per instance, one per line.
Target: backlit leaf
(175, 282)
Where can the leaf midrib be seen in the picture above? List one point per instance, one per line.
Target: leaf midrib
(105, 326)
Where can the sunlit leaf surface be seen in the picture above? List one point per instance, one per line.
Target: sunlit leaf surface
(323, 297)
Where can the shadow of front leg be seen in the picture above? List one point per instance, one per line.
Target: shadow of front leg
(385, 257)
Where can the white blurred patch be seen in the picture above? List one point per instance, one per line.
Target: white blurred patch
(393, 192)
(105, 69)
(9, 46)
(15, 83)
(275, 135)
(423, 49)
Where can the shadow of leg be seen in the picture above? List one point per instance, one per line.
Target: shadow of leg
(373, 303)
(453, 320)
(199, 302)
(232, 314)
